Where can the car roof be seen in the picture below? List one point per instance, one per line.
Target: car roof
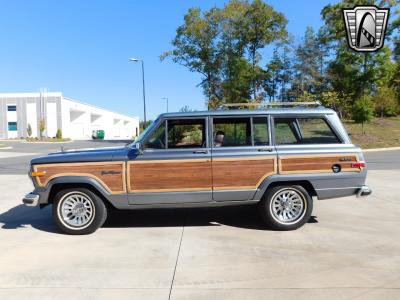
(244, 112)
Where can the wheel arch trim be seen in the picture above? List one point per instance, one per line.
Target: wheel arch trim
(285, 180)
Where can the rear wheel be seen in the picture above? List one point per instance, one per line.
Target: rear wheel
(286, 207)
(78, 211)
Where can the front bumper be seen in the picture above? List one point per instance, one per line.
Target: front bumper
(364, 191)
(31, 199)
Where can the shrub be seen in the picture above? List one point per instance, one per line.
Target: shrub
(59, 134)
(29, 130)
(42, 127)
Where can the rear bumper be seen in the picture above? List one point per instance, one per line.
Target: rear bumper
(364, 191)
(31, 199)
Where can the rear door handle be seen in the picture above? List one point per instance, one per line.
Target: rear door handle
(265, 149)
(200, 152)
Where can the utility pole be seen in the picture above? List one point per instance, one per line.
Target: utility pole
(165, 98)
(144, 89)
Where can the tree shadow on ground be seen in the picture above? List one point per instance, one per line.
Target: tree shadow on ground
(238, 216)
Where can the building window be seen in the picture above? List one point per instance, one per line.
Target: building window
(11, 108)
(12, 126)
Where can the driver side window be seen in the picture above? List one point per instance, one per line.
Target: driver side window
(157, 138)
(182, 133)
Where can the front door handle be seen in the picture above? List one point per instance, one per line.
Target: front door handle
(265, 149)
(200, 152)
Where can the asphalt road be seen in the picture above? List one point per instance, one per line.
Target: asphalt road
(26, 151)
(382, 160)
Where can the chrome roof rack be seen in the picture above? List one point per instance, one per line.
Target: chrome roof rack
(269, 104)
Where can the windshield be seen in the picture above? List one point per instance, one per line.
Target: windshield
(144, 133)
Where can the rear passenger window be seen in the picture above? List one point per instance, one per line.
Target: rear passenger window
(232, 132)
(260, 131)
(283, 133)
(303, 131)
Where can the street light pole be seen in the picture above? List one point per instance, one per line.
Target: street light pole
(144, 89)
(165, 98)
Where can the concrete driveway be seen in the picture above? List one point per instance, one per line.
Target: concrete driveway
(350, 249)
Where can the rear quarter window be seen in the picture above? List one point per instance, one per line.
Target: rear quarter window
(304, 131)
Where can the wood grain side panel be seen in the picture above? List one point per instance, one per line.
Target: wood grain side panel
(110, 174)
(169, 176)
(317, 163)
(241, 173)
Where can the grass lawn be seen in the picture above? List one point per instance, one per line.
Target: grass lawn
(379, 133)
(2, 146)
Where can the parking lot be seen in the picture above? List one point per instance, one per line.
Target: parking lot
(350, 249)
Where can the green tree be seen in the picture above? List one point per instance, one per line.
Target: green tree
(385, 102)
(195, 47)
(237, 88)
(143, 126)
(275, 69)
(363, 111)
(286, 73)
(223, 45)
(263, 26)
(337, 102)
(186, 108)
(29, 130)
(308, 55)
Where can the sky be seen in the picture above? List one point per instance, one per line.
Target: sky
(82, 48)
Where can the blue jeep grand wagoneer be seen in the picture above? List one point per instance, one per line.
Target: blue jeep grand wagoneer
(280, 158)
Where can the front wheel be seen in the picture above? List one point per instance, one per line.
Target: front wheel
(286, 207)
(78, 211)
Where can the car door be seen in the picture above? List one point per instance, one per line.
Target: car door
(242, 156)
(175, 166)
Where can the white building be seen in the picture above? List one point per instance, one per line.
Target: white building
(75, 119)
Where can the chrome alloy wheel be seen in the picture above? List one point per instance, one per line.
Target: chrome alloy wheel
(76, 210)
(288, 206)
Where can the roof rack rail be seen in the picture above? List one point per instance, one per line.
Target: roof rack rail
(257, 105)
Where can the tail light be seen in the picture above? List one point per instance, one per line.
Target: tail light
(359, 164)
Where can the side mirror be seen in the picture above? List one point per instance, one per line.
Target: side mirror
(140, 147)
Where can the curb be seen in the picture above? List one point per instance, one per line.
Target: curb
(12, 140)
(26, 142)
(381, 149)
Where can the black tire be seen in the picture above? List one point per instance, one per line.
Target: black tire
(96, 207)
(273, 218)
